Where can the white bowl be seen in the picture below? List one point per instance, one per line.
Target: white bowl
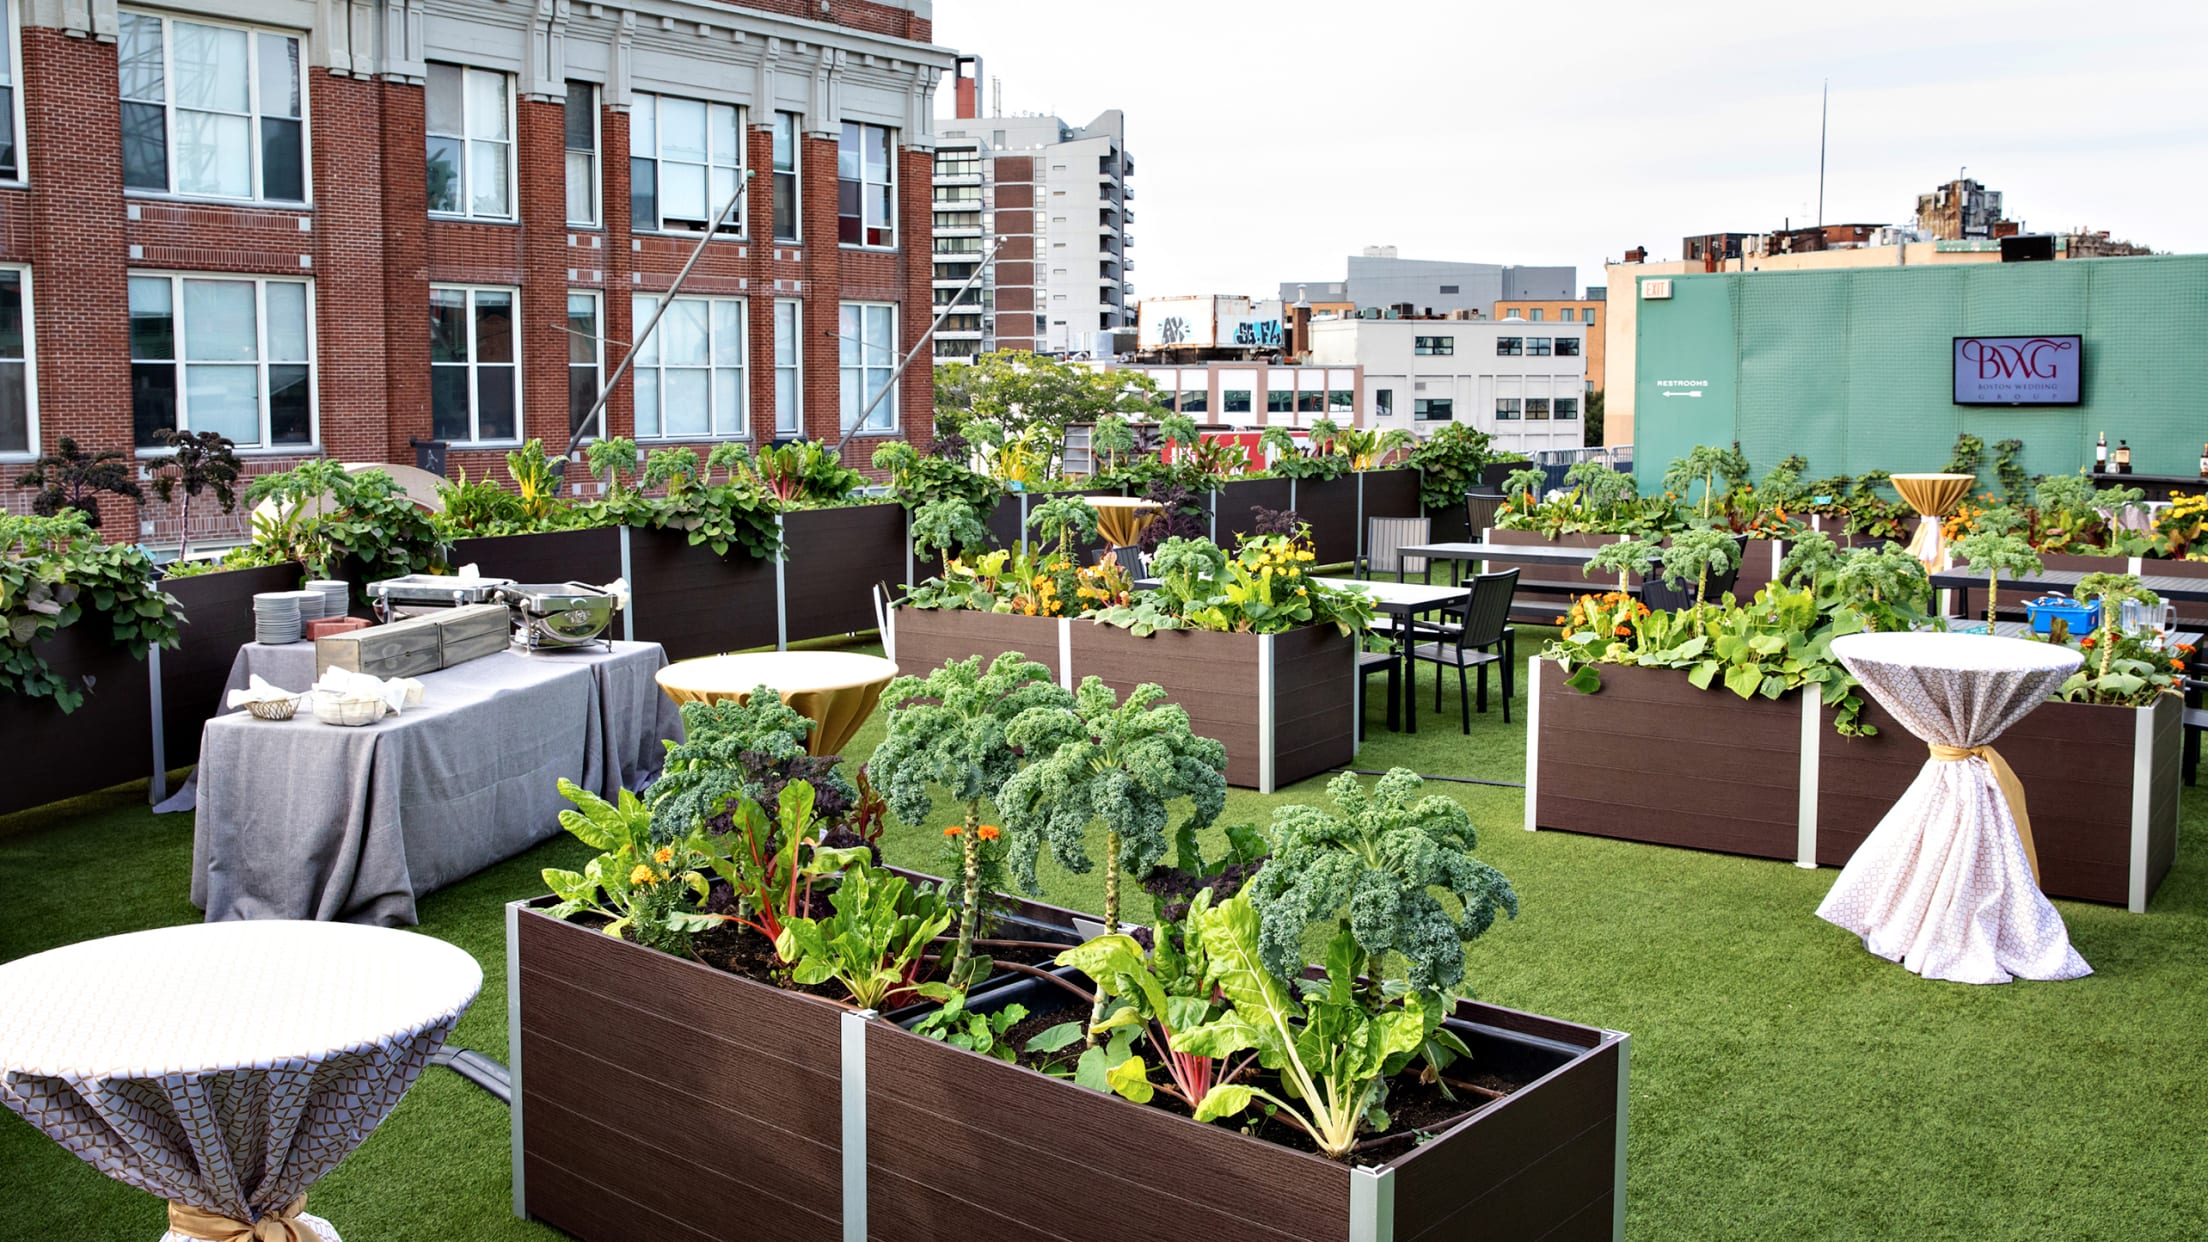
(331, 707)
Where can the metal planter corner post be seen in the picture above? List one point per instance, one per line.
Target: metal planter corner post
(628, 614)
(1372, 1205)
(157, 786)
(1533, 740)
(1617, 1194)
(908, 548)
(1813, 736)
(513, 1046)
(1065, 652)
(2142, 803)
(1265, 713)
(781, 584)
(853, 1027)
(1359, 532)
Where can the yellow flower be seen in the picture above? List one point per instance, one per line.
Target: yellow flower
(664, 854)
(641, 876)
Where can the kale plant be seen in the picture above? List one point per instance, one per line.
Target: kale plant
(1375, 869)
(733, 750)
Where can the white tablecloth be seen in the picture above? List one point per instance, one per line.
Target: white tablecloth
(1942, 885)
(225, 1066)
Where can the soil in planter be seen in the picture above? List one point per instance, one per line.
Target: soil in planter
(1416, 1111)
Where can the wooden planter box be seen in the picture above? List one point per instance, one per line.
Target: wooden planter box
(833, 558)
(1231, 514)
(218, 619)
(761, 1113)
(654, 1096)
(1651, 758)
(1284, 705)
(109, 739)
(592, 556)
(1333, 508)
(695, 603)
(1394, 493)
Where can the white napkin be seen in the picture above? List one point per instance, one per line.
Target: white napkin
(619, 590)
(258, 691)
(396, 693)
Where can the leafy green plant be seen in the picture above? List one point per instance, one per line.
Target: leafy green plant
(74, 479)
(1698, 554)
(918, 481)
(1623, 558)
(960, 1027)
(54, 573)
(950, 730)
(873, 944)
(1601, 488)
(1448, 464)
(1708, 465)
(1994, 550)
(772, 864)
(639, 885)
(675, 469)
(1110, 439)
(1157, 993)
(536, 483)
(197, 462)
(948, 526)
(803, 472)
(480, 507)
(1178, 429)
(1378, 869)
(1525, 486)
(1368, 449)
(1333, 1050)
(608, 459)
(741, 749)
(325, 515)
(2131, 671)
(1060, 519)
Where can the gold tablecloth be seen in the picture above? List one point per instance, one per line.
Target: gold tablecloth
(1121, 519)
(1935, 496)
(836, 690)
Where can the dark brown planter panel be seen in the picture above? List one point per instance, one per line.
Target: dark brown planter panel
(834, 558)
(218, 619)
(1394, 493)
(1237, 498)
(1651, 758)
(54, 754)
(1314, 703)
(2078, 764)
(695, 603)
(1005, 521)
(592, 556)
(1330, 506)
(931, 638)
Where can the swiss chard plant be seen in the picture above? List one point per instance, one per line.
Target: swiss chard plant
(874, 942)
(772, 863)
(641, 886)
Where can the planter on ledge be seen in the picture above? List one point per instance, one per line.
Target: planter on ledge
(1651, 758)
(1284, 705)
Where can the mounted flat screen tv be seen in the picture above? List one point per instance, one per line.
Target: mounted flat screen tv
(2018, 370)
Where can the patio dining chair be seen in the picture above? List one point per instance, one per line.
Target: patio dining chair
(1385, 538)
(1368, 663)
(1479, 636)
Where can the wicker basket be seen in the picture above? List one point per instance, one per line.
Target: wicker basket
(273, 709)
(336, 709)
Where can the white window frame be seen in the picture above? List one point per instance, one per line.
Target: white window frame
(182, 360)
(846, 341)
(169, 106)
(893, 225)
(737, 229)
(796, 174)
(597, 157)
(794, 424)
(598, 358)
(651, 357)
(466, 210)
(30, 450)
(14, 14)
(475, 361)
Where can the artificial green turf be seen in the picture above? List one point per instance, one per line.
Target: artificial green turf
(1785, 1084)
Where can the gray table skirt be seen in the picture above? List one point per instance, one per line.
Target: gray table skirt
(305, 820)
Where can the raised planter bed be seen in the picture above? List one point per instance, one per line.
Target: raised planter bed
(1234, 500)
(760, 1113)
(832, 560)
(1284, 705)
(1651, 758)
(218, 619)
(54, 754)
(1331, 506)
(592, 555)
(696, 603)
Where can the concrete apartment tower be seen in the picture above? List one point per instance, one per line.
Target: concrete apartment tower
(1055, 195)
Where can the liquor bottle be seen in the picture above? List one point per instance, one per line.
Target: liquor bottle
(2204, 461)
(2100, 455)
(2123, 457)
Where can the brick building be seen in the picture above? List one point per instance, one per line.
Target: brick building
(331, 227)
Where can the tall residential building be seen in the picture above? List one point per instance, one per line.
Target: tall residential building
(965, 287)
(1057, 196)
(333, 229)
(1381, 278)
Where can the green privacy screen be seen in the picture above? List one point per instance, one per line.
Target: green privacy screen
(1850, 368)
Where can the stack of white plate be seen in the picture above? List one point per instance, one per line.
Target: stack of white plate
(310, 606)
(276, 617)
(334, 596)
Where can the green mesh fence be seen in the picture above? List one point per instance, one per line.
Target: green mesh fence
(1850, 368)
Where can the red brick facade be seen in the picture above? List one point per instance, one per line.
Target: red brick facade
(372, 251)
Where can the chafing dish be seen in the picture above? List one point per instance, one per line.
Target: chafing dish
(559, 616)
(415, 594)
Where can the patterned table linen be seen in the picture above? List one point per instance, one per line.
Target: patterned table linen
(1943, 885)
(226, 1066)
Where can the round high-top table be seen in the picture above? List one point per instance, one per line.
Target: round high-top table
(1121, 519)
(226, 1066)
(1946, 884)
(836, 690)
(1934, 496)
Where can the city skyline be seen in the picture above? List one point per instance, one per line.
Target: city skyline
(1550, 151)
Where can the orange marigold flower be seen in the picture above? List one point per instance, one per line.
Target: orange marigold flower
(2179, 665)
(988, 832)
(664, 854)
(953, 830)
(1560, 621)
(1625, 631)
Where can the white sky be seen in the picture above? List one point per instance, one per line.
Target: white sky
(1272, 139)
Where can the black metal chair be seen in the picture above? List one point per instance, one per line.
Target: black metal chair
(1130, 559)
(2196, 720)
(1481, 635)
(1368, 663)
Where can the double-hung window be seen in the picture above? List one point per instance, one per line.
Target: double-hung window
(18, 383)
(1537, 347)
(1433, 409)
(1535, 314)
(229, 354)
(217, 111)
(690, 371)
(1506, 408)
(789, 381)
(1567, 409)
(866, 186)
(1567, 347)
(785, 177)
(685, 158)
(11, 99)
(869, 345)
(1434, 346)
(1509, 346)
(581, 114)
(1537, 409)
(471, 143)
(474, 372)
(586, 358)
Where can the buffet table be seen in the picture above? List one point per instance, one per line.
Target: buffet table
(299, 819)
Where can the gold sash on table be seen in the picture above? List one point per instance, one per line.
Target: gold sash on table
(281, 1225)
(2005, 777)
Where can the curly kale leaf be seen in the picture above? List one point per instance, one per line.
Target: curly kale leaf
(949, 728)
(1120, 764)
(734, 750)
(1380, 866)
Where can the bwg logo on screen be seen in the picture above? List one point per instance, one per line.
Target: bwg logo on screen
(2017, 370)
(2015, 358)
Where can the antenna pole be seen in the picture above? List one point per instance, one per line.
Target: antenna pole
(1824, 113)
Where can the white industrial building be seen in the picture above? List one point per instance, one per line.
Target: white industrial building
(1523, 383)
